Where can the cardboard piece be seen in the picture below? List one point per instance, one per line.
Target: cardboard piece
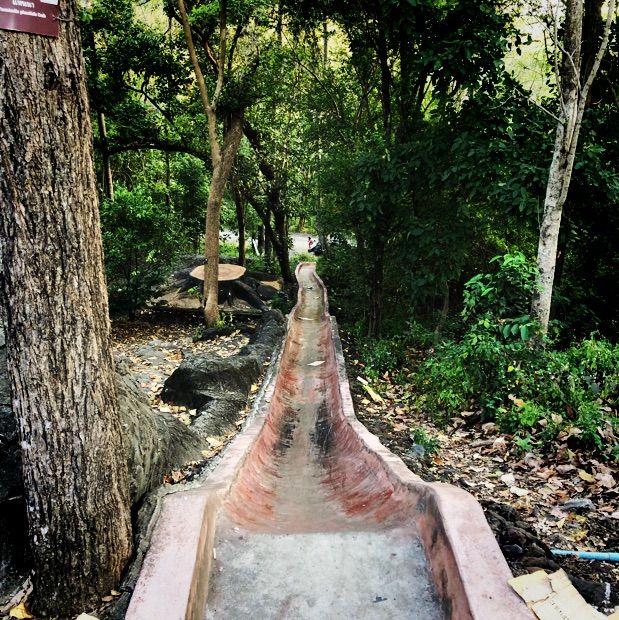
(553, 597)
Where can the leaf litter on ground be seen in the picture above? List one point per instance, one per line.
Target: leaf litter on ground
(490, 464)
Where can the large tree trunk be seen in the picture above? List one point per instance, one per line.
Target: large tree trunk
(573, 99)
(58, 336)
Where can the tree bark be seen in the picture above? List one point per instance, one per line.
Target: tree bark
(376, 288)
(573, 99)
(108, 178)
(58, 334)
(239, 203)
(221, 173)
(222, 158)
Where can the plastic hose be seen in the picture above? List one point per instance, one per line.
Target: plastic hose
(610, 556)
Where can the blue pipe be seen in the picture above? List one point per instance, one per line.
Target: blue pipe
(589, 555)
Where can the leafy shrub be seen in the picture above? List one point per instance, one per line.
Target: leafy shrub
(227, 248)
(501, 300)
(140, 239)
(421, 438)
(529, 390)
(385, 355)
(346, 282)
(301, 257)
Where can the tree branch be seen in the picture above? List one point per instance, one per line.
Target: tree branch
(221, 63)
(206, 103)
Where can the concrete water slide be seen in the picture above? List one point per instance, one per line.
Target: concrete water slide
(309, 516)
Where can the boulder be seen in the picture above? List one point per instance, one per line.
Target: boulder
(267, 292)
(219, 386)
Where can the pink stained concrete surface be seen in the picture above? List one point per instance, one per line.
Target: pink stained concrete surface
(307, 476)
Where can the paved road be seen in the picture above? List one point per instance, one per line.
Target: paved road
(299, 240)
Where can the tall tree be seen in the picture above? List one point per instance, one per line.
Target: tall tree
(222, 154)
(58, 332)
(573, 96)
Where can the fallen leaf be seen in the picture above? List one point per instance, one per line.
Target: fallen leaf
(518, 491)
(606, 480)
(579, 535)
(489, 428)
(373, 395)
(317, 363)
(215, 442)
(585, 476)
(508, 479)
(565, 469)
(20, 611)
(499, 444)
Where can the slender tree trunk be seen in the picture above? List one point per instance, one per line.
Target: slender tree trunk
(444, 314)
(376, 288)
(239, 203)
(58, 332)
(573, 99)
(268, 243)
(222, 158)
(221, 173)
(281, 247)
(261, 239)
(108, 179)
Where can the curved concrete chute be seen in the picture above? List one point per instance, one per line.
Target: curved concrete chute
(309, 516)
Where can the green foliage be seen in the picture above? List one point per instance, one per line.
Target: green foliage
(282, 302)
(420, 437)
(383, 355)
(501, 300)
(346, 283)
(227, 248)
(140, 239)
(495, 369)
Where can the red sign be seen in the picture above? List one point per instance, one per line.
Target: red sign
(34, 16)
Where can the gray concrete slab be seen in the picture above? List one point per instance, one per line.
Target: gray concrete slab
(343, 575)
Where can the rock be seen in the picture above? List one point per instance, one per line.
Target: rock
(578, 505)
(267, 337)
(514, 535)
(512, 551)
(416, 451)
(218, 416)
(598, 594)
(267, 292)
(214, 332)
(541, 562)
(205, 377)
(538, 549)
(218, 387)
